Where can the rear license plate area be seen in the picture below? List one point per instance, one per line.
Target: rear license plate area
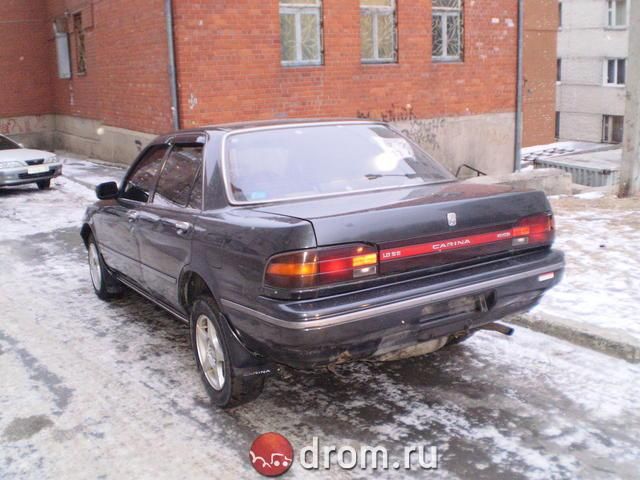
(458, 306)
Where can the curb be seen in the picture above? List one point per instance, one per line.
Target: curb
(612, 342)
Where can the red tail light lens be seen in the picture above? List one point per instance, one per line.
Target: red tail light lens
(535, 229)
(322, 266)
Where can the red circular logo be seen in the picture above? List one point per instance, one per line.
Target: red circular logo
(271, 454)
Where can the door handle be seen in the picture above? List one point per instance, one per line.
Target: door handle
(182, 228)
(132, 216)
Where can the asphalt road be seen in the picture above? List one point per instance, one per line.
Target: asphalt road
(90, 389)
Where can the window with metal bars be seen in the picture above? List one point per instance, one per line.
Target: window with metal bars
(301, 32)
(378, 31)
(81, 59)
(447, 30)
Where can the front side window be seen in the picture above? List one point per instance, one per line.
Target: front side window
(299, 162)
(81, 54)
(141, 181)
(378, 31)
(178, 176)
(616, 71)
(617, 13)
(301, 32)
(446, 24)
(6, 144)
(612, 128)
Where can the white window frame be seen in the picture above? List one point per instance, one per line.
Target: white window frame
(607, 128)
(297, 10)
(612, 10)
(446, 12)
(376, 11)
(606, 72)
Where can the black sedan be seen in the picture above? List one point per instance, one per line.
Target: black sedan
(311, 243)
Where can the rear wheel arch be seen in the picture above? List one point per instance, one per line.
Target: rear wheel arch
(193, 285)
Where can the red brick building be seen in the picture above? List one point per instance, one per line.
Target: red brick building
(443, 70)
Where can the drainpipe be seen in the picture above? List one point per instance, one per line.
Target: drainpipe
(173, 81)
(519, 88)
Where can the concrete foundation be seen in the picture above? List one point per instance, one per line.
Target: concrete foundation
(484, 142)
(33, 131)
(78, 135)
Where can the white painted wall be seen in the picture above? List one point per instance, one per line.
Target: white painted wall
(585, 42)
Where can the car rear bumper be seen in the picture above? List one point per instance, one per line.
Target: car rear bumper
(380, 320)
(21, 176)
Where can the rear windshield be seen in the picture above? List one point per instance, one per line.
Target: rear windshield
(299, 162)
(6, 144)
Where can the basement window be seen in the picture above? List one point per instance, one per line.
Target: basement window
(301, 32)
(378, 31)
(615, 71)
(612, 128)
(447, 26)
(617, 13)
(81, 58)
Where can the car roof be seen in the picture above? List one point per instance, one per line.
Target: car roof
(230, 127)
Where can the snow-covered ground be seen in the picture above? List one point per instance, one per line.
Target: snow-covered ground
(109, 390)
(600, 236)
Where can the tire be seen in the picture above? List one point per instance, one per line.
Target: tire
(456, 339)
(104, 283)
(44, 184)
(210, 344)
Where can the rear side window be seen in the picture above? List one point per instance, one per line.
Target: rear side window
(142, 180)
(178, 176)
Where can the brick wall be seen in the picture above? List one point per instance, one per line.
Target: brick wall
(228, 54)
(539, 60)
(126, 82)
(24, 73)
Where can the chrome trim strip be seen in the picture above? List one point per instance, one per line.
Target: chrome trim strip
(149, 297)
(392, 307)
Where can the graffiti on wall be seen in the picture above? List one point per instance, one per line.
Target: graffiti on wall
(425, 132)
(395, 113)
(18, 125)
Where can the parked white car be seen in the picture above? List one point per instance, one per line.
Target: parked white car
(19, 165)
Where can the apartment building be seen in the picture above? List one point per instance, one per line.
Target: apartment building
(97, 77)
(592, 57)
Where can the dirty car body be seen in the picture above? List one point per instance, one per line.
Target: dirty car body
(325, 241)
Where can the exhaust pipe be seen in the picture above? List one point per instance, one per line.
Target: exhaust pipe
(498, 327)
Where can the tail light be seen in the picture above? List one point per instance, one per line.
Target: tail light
(321, 266)
(534, 230)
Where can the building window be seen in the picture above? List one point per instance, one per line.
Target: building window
(559, 14)
(301, 32)
(559, 70)
(81, 59)
(557, 125)
(447, 28)
(617, 13)
(612, 128)
(62, 47)
(378, 31)
(615, 71)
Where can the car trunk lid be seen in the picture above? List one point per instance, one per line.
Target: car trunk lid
(426, 226)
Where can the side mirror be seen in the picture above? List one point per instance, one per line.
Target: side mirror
(107, 190)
